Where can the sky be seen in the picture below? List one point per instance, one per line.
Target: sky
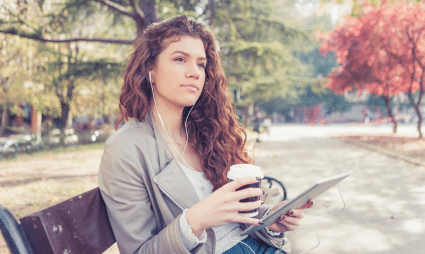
(307, 8)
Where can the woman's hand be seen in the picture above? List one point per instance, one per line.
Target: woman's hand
(291, 220)
(223, 206)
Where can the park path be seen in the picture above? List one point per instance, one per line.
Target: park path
(385, 197)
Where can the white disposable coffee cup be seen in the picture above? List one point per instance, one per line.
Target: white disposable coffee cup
(246, 170)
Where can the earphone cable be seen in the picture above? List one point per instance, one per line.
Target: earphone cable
(236, 240)
(185, 127)
(329, 215)
(343, 208)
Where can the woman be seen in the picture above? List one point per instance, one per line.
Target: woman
(163, 174)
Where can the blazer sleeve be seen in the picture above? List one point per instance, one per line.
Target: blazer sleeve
(129, 207)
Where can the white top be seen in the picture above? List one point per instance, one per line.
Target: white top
(203, 188)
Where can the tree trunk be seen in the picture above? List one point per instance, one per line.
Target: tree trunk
(390, 112)
(418, 113)
(211, 7)
(63, 121)
(417, 108)
(35, 122)
(150, 11)
(3, 119)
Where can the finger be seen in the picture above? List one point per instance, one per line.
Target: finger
(290, 222)
(296, 213)
(236, 184)
(307, 205)
(248, 193)
(248, 206)
(247, 220)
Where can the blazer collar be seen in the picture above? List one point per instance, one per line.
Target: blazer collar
(171, 180)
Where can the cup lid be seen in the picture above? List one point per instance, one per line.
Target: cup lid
(244, 170)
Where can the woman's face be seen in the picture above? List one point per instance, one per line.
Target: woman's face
(179, 73)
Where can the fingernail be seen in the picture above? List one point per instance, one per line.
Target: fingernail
(291, 213)
(282, 218)
(260, 223)
(311, 202)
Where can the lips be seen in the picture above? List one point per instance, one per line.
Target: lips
(191, 87)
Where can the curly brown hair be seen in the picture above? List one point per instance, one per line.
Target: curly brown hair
(212, 125)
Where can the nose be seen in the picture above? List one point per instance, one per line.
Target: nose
(193, 71)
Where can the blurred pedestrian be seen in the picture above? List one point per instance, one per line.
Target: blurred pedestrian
(267, 124)
(256, 127)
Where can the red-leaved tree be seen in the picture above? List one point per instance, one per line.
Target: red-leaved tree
(381, 52)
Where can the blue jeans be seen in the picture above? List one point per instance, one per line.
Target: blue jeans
(256, 245)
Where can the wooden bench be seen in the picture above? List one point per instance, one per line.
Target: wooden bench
(76, 226)
(79, 225)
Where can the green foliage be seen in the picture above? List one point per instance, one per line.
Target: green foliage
(302, 83)
(307, 86)
(16, 69)
(256, 48)
(64, 74)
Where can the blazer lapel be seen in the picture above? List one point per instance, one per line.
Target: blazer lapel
(171, 180)
(174, 183)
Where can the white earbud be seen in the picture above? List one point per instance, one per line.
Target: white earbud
(153, 95)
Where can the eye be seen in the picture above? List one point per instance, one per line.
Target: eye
(202, 65)
(180, 59)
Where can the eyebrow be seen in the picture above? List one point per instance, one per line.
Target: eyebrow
(186, 54)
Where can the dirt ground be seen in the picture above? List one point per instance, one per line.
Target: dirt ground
(406, 146)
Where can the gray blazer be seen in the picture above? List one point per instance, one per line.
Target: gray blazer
(145, 192)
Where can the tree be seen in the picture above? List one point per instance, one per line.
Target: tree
(409, 50)
(9, 73)
(17, 66)
(63, 63)
(303, 81)
(256, 49)
(67, 69)
(380, 52)
(68, 31)
(253, 41)
(51, 15)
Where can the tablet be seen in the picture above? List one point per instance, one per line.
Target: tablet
(318, 188)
